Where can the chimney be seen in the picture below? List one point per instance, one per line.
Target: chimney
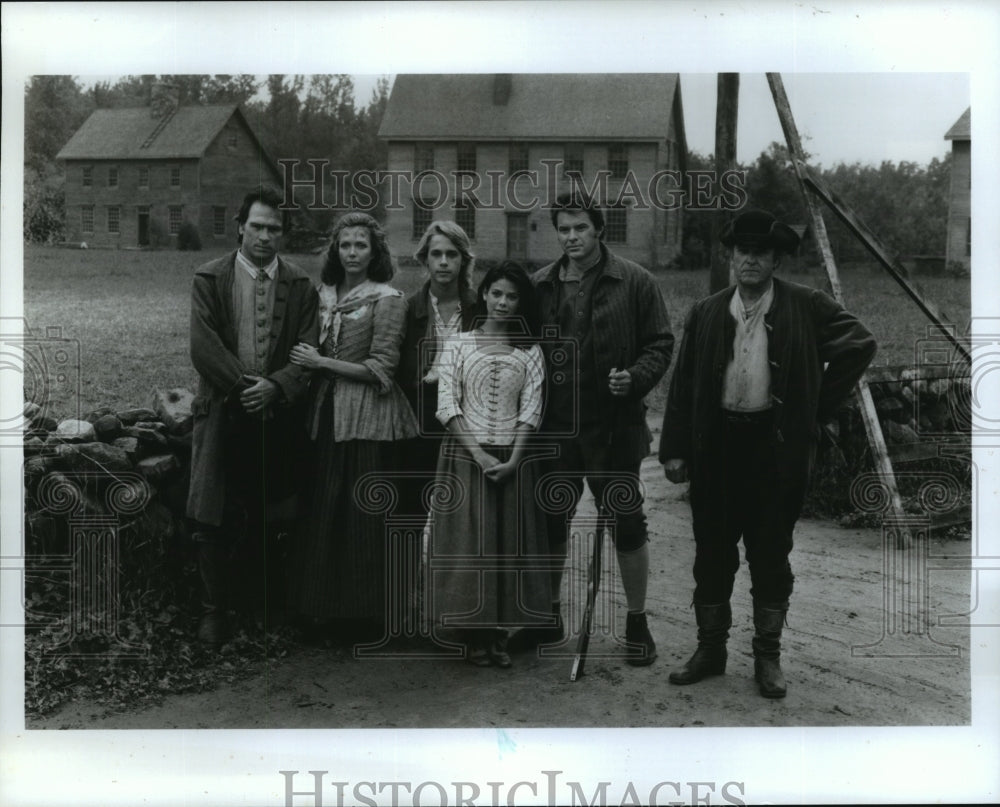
(501, 89)
(164, 100)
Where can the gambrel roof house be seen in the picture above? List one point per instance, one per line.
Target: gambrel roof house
(134, 175)
(483, 129)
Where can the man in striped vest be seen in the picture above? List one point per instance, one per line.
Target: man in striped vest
(248, 309)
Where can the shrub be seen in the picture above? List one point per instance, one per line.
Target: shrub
(44, 207)
(188, 238)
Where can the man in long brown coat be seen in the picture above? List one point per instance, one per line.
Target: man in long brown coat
(248, 309)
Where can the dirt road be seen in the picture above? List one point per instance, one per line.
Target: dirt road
(848, 660)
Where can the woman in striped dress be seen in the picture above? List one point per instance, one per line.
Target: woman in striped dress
(358, 413)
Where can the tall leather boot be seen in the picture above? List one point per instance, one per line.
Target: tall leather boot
(212, 628)
(714, 622)
(768, 620)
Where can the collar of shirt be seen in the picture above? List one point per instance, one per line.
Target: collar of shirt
(571, 273)
(251, 268)
(756, 310)
(453, 320)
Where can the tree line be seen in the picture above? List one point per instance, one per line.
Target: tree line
(292, 115)
(904, 203)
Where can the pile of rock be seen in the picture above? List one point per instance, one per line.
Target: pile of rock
(921, 404)
(128, 468)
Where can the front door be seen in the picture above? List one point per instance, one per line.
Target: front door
(143, 227)
(517, 236)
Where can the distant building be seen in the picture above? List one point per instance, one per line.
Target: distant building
(134, 175)
(959, 245)
(509, 140)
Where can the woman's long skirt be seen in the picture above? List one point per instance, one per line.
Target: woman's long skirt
(338, 566)
(488, 556)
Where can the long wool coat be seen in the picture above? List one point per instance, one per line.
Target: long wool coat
(215, 357)
(817, 352)
(631, 330)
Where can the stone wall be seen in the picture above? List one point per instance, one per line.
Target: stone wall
(124, 471)
(918, 408)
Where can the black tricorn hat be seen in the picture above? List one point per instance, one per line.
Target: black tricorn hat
(758, 228)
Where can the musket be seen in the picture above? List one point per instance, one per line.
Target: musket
(594, 569)
(593, 583)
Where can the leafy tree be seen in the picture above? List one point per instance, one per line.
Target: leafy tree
(125, 92)
(54, 108)
(904, 204)
(772, 185)
(696, 250)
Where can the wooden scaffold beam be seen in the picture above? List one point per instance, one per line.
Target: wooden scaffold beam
(869, 416)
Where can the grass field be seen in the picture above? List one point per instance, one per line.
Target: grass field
(129, 312)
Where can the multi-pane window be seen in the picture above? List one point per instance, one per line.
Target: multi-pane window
(518, 158)
(143, 176)
(423, 157)
(422, 217)
(114, 220)
(87, 219)
(175, 176)
(112, 176)
(174, 219)
(573, 157)
(618, 160)
(465, 217)
(616, 224)
(218, 221)
(466, 161)
(88, 176)
(233, 140)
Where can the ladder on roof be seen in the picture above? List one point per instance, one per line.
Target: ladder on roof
(157, 129)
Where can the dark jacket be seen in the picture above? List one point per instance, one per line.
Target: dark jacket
(214, 354)
(806, 330)
(417, 352)
(631, 328)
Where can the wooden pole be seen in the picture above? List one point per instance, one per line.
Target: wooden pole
(726, 113)
(869, 416)
(896, 270)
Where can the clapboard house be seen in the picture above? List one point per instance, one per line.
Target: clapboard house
(517, 139)
(959, 243)
(135, 175)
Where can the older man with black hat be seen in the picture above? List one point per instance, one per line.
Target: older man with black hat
(761, 364)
